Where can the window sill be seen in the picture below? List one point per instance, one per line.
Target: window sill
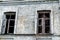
(20, 34)
(45, 34)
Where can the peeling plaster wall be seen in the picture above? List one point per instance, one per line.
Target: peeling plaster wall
(26, 17)
(28, 0)
(23, 0)
(17, 37)
(26, 20)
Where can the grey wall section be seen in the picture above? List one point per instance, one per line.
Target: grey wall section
(19, 37)
(10, 37)
(26, 21)
(29, 0)
(56, 19)
(1, 18)
(26, 17)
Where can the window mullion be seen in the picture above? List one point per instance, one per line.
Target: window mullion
(8, 26)
(9, 23)
(43, 25)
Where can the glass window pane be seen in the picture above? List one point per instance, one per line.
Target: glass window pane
(7, 16)
(12, 22)
(39, 29)
(40, 15)
(11, 29)
(47, 15)
(47, 23)
(47, 29)
(40, 22)
(12, 16)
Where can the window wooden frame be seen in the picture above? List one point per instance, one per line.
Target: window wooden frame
(10, 13)
(43, 21)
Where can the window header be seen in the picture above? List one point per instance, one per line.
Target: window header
(44, 11)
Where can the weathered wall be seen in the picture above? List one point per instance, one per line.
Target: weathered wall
(17, 37)
(21, 0)
(26, 20)
(29, 0)
(56, 19)
(26, 17)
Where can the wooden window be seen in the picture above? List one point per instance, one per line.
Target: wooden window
(43, 21)
(10, 21)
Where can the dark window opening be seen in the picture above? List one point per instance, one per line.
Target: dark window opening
(11, 29)
(44, 21)
(47, 22)
(40, 22)
(12, 16)
(47, 15)
(10, 21)
(39, 29)
(40, 15)
(47, 29)
(7, 16)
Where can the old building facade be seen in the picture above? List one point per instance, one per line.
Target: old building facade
(29, 20)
